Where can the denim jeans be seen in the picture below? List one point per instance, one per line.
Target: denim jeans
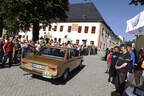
(125, 94)
(6, 56)
(15, 59)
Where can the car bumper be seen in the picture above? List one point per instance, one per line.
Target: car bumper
(36, 72)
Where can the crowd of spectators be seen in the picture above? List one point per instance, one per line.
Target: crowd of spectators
(12, 49)
(125, 67)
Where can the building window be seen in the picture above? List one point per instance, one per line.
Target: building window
(92, 42)
(79, 29)
(55, 28)
(108, 34)
(86, 29)
(59, 40)
(55, 39)
(77, 41)
(61, 28)
(102, 31)
(101, 45)
(104, 46)
(49, 28)
(23, 36)
(69, 28)
(93, 29)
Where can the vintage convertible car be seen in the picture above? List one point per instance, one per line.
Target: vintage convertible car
(52, 62)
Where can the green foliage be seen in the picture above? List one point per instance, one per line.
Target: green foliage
(129, 43)
(136, 2)
(21, 14)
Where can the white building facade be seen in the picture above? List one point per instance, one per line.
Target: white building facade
(84, 23)
(95, 33)
(77, 32)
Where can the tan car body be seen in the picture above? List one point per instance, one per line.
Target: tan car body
(50, 67)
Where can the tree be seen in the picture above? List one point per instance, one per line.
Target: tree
(136, 2)
(43, 12)
(8, 15)
(1, 27)
(22, 14)
(129, 43)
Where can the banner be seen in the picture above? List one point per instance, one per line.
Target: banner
(136, 24)
(74, 27)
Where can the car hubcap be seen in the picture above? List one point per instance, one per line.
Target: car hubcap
(65, 75)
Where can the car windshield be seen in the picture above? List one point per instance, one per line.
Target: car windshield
(52, 53)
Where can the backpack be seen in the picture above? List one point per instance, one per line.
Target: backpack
(1, 45)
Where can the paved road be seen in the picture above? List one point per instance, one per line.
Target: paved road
(88, 81)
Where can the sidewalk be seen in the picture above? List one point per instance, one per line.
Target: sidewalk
(91, 80)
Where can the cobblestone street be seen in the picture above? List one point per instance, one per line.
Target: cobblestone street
(88, 81)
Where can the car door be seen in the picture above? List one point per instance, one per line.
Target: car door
(72, 63)
(73, 60)
(77, 61)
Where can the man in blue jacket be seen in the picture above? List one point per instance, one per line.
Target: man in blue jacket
(132, 55)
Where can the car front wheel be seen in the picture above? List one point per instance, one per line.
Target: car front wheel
(81, 65)
(65, 75)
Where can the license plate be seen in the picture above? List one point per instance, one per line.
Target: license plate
(47, 75)
(38, 66)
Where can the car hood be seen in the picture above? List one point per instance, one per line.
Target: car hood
(43, 60)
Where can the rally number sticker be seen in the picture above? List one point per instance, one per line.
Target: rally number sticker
(47, 75)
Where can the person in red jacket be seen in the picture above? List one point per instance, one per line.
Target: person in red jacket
(8, 50)
(109, 61)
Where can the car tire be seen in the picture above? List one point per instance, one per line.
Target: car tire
(34, 76)
(81, 65)
(65, 75)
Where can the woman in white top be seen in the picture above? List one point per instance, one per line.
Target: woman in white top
(134, 80)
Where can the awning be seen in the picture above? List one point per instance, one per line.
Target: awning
(136, 24)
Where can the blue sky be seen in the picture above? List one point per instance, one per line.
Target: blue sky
(116, 13)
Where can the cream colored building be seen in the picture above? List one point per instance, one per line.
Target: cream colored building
(84, 23)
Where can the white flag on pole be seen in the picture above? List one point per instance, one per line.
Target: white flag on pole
(136, 24)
